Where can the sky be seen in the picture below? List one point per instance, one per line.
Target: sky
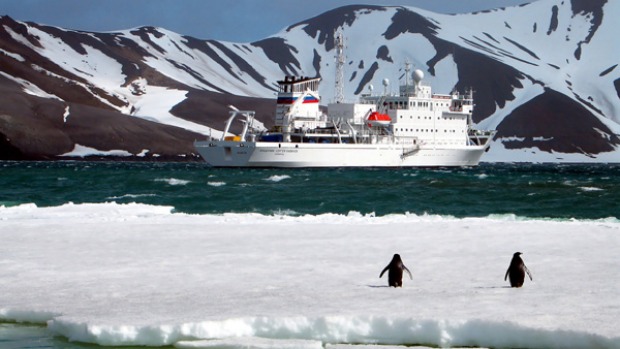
(237, 21)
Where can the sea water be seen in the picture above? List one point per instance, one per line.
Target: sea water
(558, 191)
(23, 336)
(523, 192)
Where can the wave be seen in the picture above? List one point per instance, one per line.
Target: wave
(109, 210)
(131, 196)
(173, 181)
(277, 178)
(317, 332)
(591, 188)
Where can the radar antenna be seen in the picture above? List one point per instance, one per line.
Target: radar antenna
(339, 44)
(407, 70)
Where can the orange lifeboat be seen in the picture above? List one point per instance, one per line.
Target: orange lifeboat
(377, 119)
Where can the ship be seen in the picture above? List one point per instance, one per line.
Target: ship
(411, 128)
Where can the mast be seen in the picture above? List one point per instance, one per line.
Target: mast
(407, 70)
(339, 44)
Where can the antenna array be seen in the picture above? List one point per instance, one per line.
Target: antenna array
(339, 45)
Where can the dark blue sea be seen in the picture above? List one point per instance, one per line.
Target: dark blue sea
(558, 191)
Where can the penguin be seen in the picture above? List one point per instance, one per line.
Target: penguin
(516, 271)
(395, 274)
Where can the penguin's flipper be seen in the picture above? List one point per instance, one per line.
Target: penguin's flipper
(528, 272)
(384, 270)
(506, 276)
(408, 272)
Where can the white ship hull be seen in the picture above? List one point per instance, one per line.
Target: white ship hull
(301, 155)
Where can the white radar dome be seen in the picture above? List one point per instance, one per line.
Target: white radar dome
(418, 75)
(386, 82)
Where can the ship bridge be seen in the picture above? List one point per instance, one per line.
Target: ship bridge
(298, 102)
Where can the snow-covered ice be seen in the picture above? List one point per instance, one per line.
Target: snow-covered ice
(135, 274)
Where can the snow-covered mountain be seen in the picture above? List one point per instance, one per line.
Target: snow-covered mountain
(544, 74)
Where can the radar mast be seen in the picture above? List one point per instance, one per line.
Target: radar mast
(339, 45)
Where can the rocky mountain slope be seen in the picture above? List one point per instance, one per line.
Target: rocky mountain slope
(545, 77)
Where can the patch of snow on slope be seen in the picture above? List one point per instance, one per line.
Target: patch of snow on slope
(498, 36)
(29, 87)
(82, 151)
(17, 37)
(518, 44)
(155, 105)
(498, 153)
(193, 67)
(400, 53)
(367, 30)
(447, 76)
(15, 56)
(66, 114)
(588, 81)
(94, 66)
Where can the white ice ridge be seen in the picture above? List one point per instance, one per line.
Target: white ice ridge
(316, 332)
(140, 275)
